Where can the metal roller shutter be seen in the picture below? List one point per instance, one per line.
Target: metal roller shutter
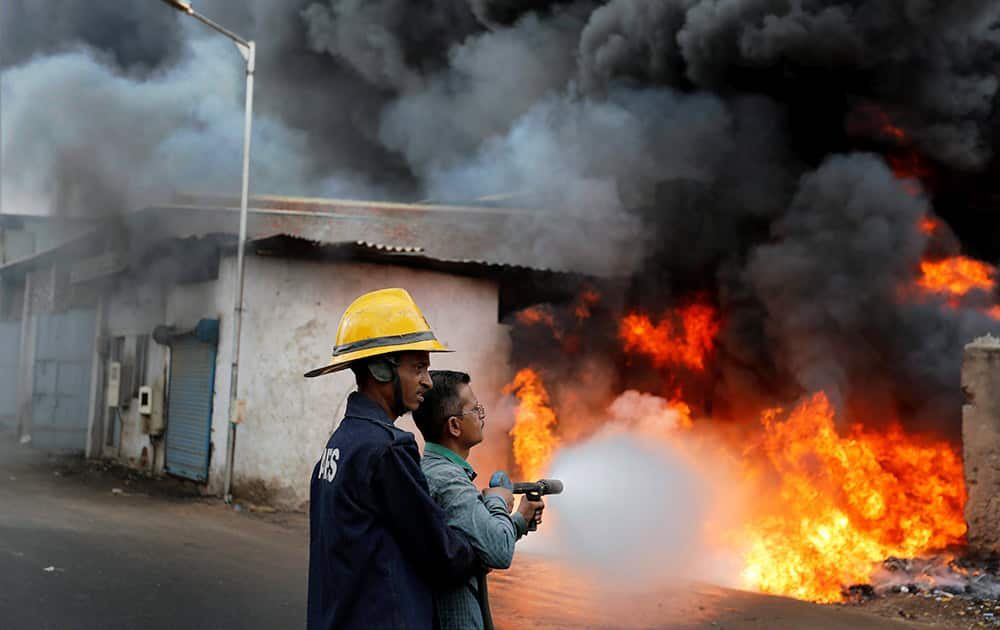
(189, 407)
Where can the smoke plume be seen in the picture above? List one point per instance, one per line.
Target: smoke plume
(723, 149)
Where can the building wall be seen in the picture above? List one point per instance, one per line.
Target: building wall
(292, 309)
(290, 324)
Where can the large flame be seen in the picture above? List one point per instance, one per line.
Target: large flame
(830, 505)
(957, 276)
(534, 439)
(839, 504)
(683, 337)
(847, 503)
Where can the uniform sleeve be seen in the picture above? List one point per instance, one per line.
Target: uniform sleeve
(440, 552)
(484, 520)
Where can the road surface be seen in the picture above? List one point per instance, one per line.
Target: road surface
(86, 548)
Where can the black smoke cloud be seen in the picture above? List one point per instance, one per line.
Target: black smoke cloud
(827, 276)
(128, 35)
(713, 135)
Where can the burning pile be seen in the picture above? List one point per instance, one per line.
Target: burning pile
(846, 503)
(833, 499)
(840, 504)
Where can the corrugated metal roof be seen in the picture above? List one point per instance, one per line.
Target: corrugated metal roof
(396, 249)
(533, 239)
(292, 245)
(484, 237)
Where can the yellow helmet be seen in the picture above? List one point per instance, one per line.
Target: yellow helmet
(380, 322)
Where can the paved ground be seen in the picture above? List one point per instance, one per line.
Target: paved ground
(76, 555)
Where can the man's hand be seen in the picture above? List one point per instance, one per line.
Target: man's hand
(531, 510)
(507, 495)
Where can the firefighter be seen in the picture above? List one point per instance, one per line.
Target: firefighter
(378, 544)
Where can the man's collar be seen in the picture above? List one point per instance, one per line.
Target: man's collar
(450, 455)
(361, 406)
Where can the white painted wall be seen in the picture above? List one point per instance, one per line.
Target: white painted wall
(290, 324)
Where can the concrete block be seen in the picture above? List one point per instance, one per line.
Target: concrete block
(981, 442)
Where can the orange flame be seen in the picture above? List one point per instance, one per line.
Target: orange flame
(957, 276)
(929, 225)
(906, 164)
(684, 337)
(585, 302)
(841, 503)
(533, 435)
(536, 315)
(847, 503)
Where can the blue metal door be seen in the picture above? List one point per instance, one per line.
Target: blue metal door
(10, 353)
(189, 407)
(60, 404)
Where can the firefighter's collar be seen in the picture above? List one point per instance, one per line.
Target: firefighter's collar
(450, 455)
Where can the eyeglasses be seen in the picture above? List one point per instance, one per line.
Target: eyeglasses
(479, 410)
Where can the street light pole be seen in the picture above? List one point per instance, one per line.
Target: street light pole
(248, 49)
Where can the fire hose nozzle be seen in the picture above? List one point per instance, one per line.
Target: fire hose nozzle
(540, 488)
(536, 490)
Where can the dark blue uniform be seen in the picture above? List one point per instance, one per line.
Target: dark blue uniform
(378, 543)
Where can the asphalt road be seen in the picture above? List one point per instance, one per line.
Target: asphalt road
(76, 555)
(73, 555)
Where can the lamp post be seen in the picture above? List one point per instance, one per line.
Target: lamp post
(249, 50)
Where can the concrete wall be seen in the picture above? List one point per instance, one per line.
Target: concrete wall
(981, 442)
(290, 325)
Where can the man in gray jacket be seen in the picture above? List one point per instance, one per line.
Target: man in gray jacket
(451, 421)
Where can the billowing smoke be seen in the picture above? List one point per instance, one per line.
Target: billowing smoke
(124, 143)
(725, 149)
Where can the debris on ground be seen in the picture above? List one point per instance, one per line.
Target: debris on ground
(961, 593)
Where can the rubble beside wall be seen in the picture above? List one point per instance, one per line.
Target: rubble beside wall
(981, 442)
